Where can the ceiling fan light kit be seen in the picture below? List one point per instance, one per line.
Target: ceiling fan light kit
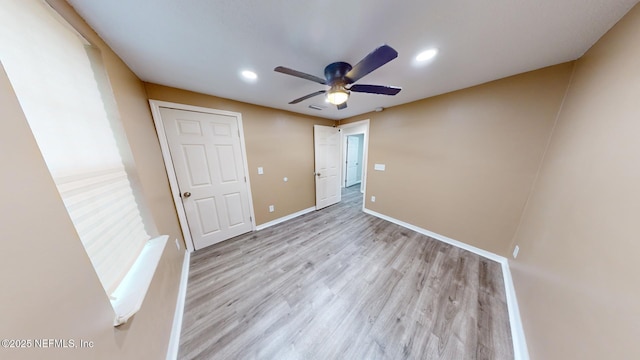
(337, 95)
(340, 76)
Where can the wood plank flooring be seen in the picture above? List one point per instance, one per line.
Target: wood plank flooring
(341, 284)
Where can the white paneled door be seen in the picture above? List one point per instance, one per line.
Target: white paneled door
(327, 163)
(207, 158)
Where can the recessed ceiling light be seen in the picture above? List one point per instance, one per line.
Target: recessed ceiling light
(249, 75)
(427, 55)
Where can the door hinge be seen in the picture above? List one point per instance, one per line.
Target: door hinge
(251, 218)
(245, 179)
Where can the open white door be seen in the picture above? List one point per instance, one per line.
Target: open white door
(326, 140)
(208, 160)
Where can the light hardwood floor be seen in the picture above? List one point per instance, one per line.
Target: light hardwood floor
(341, 284)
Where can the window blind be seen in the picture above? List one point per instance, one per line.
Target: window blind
(106, 217)
(62, 93)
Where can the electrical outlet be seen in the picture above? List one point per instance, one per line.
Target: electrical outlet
(260, 170)
(272, 208)
(373, 199)
(177, 244)
(515, 251)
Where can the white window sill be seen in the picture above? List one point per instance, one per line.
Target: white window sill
(127, 299)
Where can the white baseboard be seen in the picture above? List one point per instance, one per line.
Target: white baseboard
(456, 243)
(517, 332)
(520, 349)
(284, 218)
(174, 340)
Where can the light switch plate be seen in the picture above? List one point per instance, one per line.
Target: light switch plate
(379, 167)
(260, 170)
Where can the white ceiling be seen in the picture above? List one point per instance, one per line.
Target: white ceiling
(202, 45)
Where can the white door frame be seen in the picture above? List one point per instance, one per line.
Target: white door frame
(354, 128)
(168, 162)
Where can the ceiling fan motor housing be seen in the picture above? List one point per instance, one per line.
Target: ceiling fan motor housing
(336, 72)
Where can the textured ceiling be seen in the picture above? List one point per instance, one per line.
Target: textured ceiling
(202, 45)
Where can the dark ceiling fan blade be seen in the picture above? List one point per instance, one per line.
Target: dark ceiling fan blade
(308, 96)
(375, 89)
(342, 106)
(296, 73)
(374, 60)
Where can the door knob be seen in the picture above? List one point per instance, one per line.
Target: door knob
(186, 194)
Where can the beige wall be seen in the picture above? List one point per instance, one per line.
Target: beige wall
(49, 288)
(577, 273)
(462, 164)
(279, 141)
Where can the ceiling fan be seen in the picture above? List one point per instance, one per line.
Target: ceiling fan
(340, 76)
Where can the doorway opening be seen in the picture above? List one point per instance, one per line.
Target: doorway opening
(355, 145)
(354, 151)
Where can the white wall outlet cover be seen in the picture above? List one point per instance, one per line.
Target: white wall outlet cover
(515, 251)
(286, 179)
(373, 199)
(177, 244)
(271, 208)
(379, 167)
(260, 170)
